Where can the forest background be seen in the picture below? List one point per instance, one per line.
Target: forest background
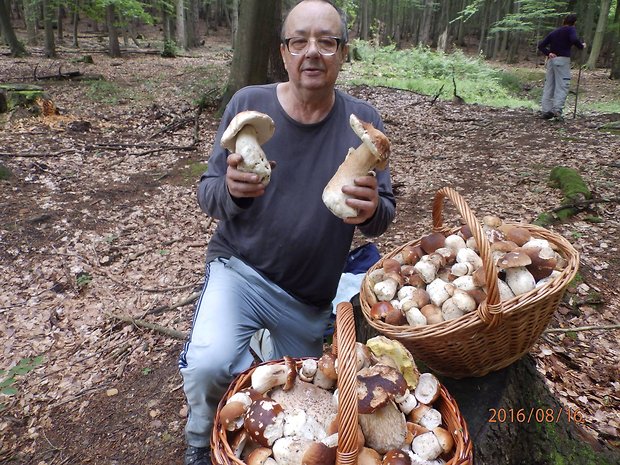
(98, 218)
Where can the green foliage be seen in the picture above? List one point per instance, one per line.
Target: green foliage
(126, 10)
(530, 15)
(83, 279)
(170, 49)
(570, 181)
(9, 377)
(425, 71)
(106, 92)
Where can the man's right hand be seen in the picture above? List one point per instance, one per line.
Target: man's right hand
(241, 184)
(552, 55)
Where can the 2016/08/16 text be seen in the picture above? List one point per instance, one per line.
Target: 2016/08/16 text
(537, 415)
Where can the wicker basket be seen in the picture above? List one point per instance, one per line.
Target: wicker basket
(496, 333)
(344, 348)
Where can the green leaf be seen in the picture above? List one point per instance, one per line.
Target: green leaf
(7, 382)
(9, 391)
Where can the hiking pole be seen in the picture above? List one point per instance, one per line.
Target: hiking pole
(577, 88)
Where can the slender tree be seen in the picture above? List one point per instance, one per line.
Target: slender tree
(50, 45)
(17, 48)
(114, 46)
(615, 66)
(597, 42)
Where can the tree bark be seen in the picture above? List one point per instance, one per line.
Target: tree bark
(59, 27)
(276, 71)
(251, 57)
(599, 35)
(17, 48)
(115, 48)
(76, 23)
(615, 66)
(31, 23)
(181, 33)
(50, 46)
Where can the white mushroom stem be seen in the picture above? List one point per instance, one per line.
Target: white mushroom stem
(265, 377)
(254, 158)
(372, 153)
(385, 290)
(520, 280)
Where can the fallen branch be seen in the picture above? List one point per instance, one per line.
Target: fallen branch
(584, 203)
(192, 146)
(59, 76)
(173, 333)
(581, 328)
(166, 308)
(36, 155)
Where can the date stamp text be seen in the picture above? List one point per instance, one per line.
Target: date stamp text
(535, 415)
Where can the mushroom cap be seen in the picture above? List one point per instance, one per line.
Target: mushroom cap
(432, 242)
(396, 457)
(378, 384)
(258, 456)
(315, 401)
(428, 389)
(264, 422)
(318, 453)
(262, 124)
(368, 456)
(514, 259)
(445, 439)
(231, 415)
(375, 140)
(381, 345)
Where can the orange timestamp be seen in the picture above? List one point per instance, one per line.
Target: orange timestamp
(535, 415)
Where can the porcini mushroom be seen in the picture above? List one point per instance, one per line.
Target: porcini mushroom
(372, 153)
(245, 134)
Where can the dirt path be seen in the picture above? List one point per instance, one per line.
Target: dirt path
(104, 221)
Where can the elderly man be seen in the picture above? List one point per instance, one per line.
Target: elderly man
(277, 255)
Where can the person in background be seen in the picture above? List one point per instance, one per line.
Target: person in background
(557, 47)
(278, 253)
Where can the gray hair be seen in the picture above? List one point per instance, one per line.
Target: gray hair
(344, 35)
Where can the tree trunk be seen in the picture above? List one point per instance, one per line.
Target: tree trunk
(483, 28)
(599, 35)
(615, 66)
(50, 46)
(276, 71)
(235, 22)
(115, 48)
(59, 30)
(17, 48)
(251, 57)
(76, 23)
(363, 34)
(181, 32)
(424, 36)
(30, 14)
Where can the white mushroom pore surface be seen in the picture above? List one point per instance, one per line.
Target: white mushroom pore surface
(372, 153)
(245, 134)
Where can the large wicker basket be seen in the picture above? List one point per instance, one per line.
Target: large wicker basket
(497, 333)
(344, 348)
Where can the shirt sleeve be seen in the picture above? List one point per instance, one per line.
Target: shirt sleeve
(543, 46)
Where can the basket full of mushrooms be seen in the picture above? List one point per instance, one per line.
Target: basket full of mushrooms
(363, 404)
(473, 299)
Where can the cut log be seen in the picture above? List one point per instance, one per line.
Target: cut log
(32, 98)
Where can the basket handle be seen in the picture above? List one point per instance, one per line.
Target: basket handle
(490, 310)
(344, 349)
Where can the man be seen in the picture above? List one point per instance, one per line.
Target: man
(277, 255)
(557, 46)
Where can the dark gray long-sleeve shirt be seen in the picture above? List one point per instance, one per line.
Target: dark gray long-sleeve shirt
(288, 234)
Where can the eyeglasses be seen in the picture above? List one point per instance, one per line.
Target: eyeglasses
(326, 45)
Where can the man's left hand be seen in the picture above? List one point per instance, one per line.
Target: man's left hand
(365, 198)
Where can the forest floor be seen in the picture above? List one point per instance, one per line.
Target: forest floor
(99, 221)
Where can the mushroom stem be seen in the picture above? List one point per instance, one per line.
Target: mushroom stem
(372, 152)
(254, 159)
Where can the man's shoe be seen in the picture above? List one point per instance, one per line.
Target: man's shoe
(548, 115)
(197, 455)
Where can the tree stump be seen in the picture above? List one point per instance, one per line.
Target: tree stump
(32, 98)
(512, 417)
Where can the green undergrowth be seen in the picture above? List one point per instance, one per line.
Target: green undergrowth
(432, 73)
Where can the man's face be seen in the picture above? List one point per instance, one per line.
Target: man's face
(310, 70)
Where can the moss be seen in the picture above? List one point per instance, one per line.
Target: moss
(594, 219)
(544, 219)
(5, 173)
(196, 169)
(570, 182)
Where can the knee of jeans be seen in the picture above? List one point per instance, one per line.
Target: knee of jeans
(207, 366)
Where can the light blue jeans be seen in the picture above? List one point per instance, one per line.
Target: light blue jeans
(557, 83)
(236, 301)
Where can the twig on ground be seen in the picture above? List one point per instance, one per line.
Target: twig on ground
(166, 308)
(581, 328)
(148, 325)
(583, 203)
(35, 154)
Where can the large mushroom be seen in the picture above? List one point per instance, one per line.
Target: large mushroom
(372, 153)
(245, 134)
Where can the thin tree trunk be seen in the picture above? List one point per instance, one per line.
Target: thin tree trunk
(30, 14)
(115, 48)
(615, 66)
(427, 18)
(59, 30)
(50, 46)
(483, 28)
(17, 48)
(76, 23)
(599, 35)
(235, 22)
(181, 32)
(364, 20)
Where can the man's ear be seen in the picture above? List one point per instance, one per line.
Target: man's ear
(282, 54)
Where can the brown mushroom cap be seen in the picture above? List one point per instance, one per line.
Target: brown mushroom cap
(231, 415)
(516, 234)
(432, 242)
(262, 124)
(264, 422)
(514, 259)
(378, 384)
(368, 456)
(375, 140)
(543, 263)
(258, 456)
(319, 454)
(445, 439)
(396, 457)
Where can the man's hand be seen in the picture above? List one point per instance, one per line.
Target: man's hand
(365, 198)
(241, 184)
(552, 55)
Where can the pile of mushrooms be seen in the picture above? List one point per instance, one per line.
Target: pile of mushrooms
(288, 416)
(443, 277)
